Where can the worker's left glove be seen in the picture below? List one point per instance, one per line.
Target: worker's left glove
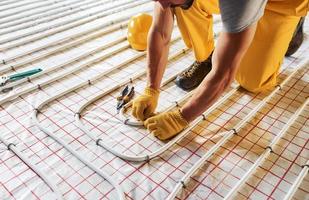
(144, 106)
(166, 125)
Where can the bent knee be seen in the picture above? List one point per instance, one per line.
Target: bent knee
(257, 85)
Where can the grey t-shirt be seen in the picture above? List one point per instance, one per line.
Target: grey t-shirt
(237, 15)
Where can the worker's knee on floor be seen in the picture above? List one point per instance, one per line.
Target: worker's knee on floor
(256, 86)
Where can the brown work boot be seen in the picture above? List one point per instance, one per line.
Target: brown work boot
(194, 75)
(297, 39)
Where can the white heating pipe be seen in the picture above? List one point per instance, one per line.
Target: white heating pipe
(65, 73)
(146, 157)
(12, 147)
(13, 7)
(266, 153)
(60, 14)
(298, 181)
(67, 62)
(101, 95)
(52, 32)
(228, 135)
(71, 23)
(105, 176)
(59, 140)
(62, 44)
(157, 152)
(41, 13)
(9, 2)
(68, 72)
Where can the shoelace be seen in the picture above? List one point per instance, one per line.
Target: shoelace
(192, 69)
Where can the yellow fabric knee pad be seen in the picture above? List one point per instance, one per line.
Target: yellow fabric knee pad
(195, 25)
(260, 65)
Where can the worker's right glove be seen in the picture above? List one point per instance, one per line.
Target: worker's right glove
(166, 125)
(144, 106)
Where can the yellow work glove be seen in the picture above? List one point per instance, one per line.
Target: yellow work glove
(145, 105)
(166, 125)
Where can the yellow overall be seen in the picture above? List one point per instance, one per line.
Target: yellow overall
(259, 67)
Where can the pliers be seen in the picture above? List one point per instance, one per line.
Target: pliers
(6, 79)
(126, 95)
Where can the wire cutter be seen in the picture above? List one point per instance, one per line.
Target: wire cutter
(126, 95)
(6, 79)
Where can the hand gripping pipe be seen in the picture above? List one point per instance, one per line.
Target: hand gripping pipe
(140, 157)
(182, 183)
(71, 23)
(159, 151)
(72, 8)
(169, 144)
(99, 141)
(266, 153)
(298, 181)
(12, 147)
(134, 122)
(60, 14)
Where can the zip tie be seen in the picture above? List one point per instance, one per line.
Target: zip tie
(37, 110)
(147, 158)
(126, 121)
(3, 62)
(39, 87)
(306, 165)
(89, 82)
(271, 149)
(204, 117)
(77, 114)
(235, 132)
(183, 184)
(279, 86)
(28, 79)
(98, 141)
(12, 68)
(131, 81)
(9, 146)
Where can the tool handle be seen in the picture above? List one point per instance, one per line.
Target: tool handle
(122, 100)
(129, 96)
(24, 74)
(125, 91)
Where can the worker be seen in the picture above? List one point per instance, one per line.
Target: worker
(255, 37)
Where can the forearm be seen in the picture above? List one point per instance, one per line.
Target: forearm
(206, 94)
(226, 59)
(157, 55)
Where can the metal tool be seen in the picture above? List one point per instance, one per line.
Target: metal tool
(126, 96)
(6, 79)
